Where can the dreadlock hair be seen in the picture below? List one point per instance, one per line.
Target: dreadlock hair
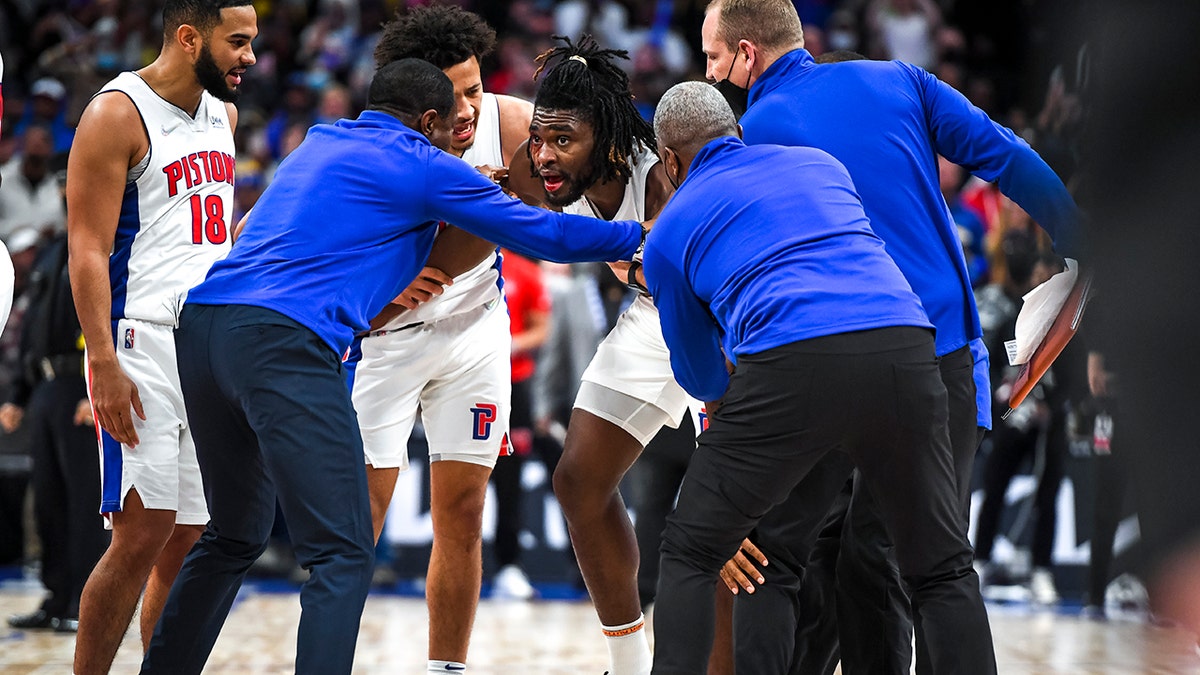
(583, 78)
(444, 35)
(204, 15)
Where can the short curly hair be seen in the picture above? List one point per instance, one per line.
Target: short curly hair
(444, 35)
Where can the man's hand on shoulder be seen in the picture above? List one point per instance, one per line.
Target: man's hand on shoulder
(498, 175)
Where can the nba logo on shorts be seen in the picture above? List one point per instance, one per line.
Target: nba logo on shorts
(128, 338)
(703, 417)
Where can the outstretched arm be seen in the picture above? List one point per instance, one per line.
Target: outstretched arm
(460, 195)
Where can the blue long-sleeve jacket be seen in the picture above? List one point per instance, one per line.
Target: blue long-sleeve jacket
(765, 246)
(886, 122)
(350, 218)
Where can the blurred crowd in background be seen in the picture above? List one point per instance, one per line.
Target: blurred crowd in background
(315, 59)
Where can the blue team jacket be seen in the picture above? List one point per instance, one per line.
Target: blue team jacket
(886, 122)
(765, 246)
(350, 217)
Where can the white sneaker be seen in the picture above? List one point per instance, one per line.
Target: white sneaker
(1041, 587)
(511, 583)
(1127, 593)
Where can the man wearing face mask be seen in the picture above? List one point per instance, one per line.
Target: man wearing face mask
(887, 122)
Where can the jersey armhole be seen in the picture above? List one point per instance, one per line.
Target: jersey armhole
(135, 172)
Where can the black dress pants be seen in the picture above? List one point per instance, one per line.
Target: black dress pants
(863, 615)
(66, 492)
(789, 624)
(875, 395)
(1009, 447)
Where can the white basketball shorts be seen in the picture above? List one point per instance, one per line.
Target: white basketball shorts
(163, 466)
(629, 381)
(456, 371)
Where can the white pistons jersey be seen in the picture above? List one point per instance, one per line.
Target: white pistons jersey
(633, 204)
(178, 201)
(633, 207)
(633, 360)
(481, 284)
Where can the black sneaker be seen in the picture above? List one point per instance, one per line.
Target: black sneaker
(32, 621)
(66, 625)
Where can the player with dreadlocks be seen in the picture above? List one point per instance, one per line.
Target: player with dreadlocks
(593, 154)
(443, 346)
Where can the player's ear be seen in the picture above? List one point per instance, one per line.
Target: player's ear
(188, 38)
(428, 122)
(671, 164)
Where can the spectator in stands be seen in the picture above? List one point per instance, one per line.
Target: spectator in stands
(31, 196)
(1036, 430)
(48, 107)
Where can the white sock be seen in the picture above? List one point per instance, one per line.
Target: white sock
(446, 667)
(628, 648)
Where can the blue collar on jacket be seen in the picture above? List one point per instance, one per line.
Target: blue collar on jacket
(381, 120)
(779, 73)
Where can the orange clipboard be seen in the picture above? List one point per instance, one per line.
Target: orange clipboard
(1061, 331)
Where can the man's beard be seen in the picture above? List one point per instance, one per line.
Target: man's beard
(578, 186)
(212, 79)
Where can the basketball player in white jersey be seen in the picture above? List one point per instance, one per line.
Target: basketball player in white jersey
(443, 346)
(591, 152)
(149, 201)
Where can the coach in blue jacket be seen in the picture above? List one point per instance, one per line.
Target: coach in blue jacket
(887, 122)
(345, 226)
(781, 274)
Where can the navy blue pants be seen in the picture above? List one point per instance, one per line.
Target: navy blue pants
(271, 416)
